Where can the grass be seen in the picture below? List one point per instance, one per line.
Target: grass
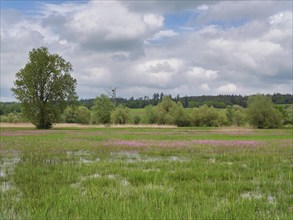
(146, 173)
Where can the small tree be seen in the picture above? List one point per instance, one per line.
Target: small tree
(136, 119)
(101, 111)
(261, 112)
(44, 87)
(164, 109)
(151, 114)
(179, 116)
(120, 115)
(69, 115)
(83, 115)
(205, 116)
(235, 115)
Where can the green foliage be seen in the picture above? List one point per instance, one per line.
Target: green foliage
(101, 111)
(180, 116)
(165, 107)
(120, 115)
(289, 115)
(44, 87)
(9, 107)
(286, 112)
(69, 115)
(151, 114)
(83, 115)
(136, 119)
(261, 112)
(236, 115)
(205, 116)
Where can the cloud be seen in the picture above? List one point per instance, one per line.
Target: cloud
(101, 26)
(199, 73)
(205, 87)
(153, 21)
(164, 34)
(141, 46)
(157, 73)
(237, 12)
(227, 89)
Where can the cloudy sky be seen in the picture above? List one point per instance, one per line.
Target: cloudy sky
(143, 47)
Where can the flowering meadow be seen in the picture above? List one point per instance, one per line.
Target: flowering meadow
(146, 173)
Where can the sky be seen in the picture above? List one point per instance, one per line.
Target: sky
(143, 47)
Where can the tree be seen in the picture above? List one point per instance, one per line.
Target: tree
(151, 114)
(120, 115)
(83, 115)
(179, 116)
(44, 87)
(235, 115)
(69, 115)
(168, 112)
(261, 112)
(206, 116)
(163, 109)
(101, 111)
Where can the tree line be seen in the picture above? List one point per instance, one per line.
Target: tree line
(219, 101)
(261, 112)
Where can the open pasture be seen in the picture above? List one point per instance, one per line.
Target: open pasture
(145, 173)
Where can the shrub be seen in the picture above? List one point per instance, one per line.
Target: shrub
(83, 115)
(101, 111)
(151, 114)
(205, 116)
(120, 115)
(236, 115)
(261, 112)
(136, 119)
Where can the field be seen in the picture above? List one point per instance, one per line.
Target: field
(145, 173)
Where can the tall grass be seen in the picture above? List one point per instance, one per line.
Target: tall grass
(101, 174)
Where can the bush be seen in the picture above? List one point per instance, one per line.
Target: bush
(69, 115)
(179, 116)
(205, 116)
(236, 115)
(4, 118)
(83, 115)
(101, 111)
(136, 119)
(120, 115)
(151, 114)
(261, 112)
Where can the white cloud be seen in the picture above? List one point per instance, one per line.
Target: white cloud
(281, 19)
(154, 21)
(203, 7)
(163, 34)
(227, 89)
(95, 76)
(226, 44)
(199, 73)
(157, 73)
(94, 24)
(205, 87)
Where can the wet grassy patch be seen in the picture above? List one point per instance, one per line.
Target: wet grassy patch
(146, 173)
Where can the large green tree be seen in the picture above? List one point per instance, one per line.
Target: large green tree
(44, 87)
(261, 112)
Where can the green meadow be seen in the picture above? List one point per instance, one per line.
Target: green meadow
(146, 173)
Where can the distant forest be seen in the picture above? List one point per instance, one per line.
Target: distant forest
(219, 101)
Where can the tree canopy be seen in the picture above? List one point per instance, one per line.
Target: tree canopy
(44, 87)
(101, 111)
(261, 112)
